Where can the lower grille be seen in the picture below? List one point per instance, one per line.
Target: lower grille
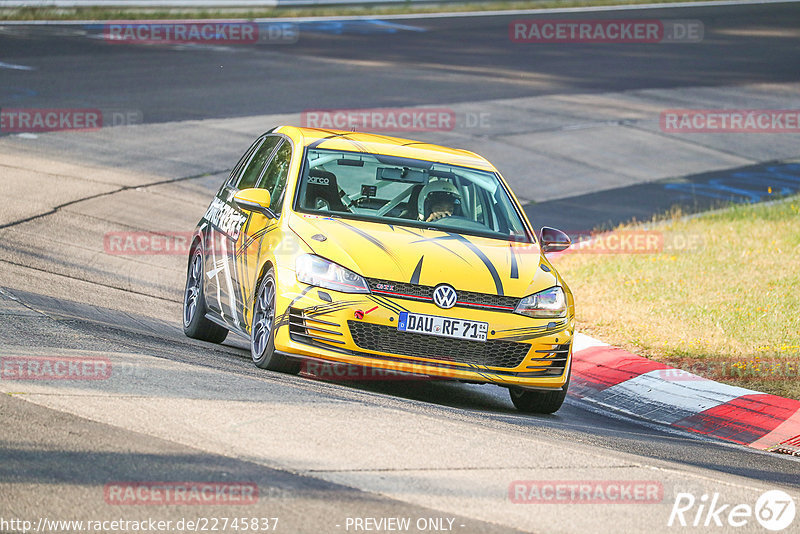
(303, 328)
(550, 362)
(379, 338)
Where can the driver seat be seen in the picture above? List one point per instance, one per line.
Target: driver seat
(322, 192)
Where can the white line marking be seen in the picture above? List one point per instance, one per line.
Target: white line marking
(218, 3)
(13, 66)
(542, 11)
(583, 342)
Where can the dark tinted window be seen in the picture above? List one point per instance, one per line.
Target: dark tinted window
(256, 164)
(274, 177)
(234, 177)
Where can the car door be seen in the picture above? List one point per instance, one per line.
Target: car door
(261, 235)
(225, 224)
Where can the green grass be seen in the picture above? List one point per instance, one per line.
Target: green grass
(119, 13)
(733, 301)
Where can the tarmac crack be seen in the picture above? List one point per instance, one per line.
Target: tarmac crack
(59, 207)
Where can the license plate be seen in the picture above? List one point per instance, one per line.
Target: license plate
(442, 326)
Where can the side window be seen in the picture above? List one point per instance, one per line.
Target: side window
(275, 175)
(234, 176)
(257, 162)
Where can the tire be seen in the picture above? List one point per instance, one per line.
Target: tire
(195, 324)
(543, 402)
(262, 333)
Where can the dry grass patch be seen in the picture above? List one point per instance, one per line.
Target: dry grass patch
(732, 300)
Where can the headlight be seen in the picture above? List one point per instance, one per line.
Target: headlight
(317, 271)
(548, 304)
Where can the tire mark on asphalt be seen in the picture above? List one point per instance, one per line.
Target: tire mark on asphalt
(9, 262)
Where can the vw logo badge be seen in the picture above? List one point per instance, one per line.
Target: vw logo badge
(445, 296)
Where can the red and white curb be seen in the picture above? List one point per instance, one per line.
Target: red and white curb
(622, 381)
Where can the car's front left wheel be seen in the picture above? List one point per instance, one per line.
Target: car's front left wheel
(262, 335)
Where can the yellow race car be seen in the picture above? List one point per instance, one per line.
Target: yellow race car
(381, 252)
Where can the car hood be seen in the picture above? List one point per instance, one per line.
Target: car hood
(426, 257)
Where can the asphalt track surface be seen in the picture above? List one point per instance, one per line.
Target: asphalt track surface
(359, 65)
(58, 462)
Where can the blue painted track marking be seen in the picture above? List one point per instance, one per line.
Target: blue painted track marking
(360, 27)
(745, 186)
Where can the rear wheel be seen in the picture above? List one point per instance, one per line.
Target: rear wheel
(195, 324)
(262, 336)
(532, 401)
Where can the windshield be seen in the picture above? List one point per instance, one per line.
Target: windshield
(408, 192)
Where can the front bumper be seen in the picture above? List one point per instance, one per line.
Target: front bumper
(358, 329)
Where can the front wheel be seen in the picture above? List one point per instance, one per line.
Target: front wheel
(262, 335)
(195, 324)
(532, 401)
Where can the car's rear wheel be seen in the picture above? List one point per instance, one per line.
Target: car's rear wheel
(532, 401)
(195, 324)
(262, 336)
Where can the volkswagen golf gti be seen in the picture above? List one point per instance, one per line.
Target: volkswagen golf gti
(374, 251)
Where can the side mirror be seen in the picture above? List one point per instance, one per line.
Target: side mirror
(554, 240)
(255, 200)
